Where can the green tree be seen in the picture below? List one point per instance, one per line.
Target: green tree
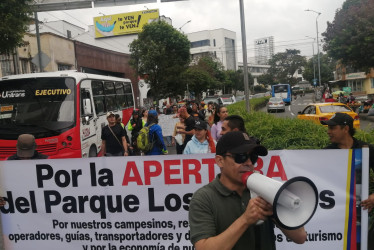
(15, 18)
(215, 69)
(196, 80)
(266, 79)
(284, 64)
(350, 37)
(327, 65)
(161, 53)
(235, 81)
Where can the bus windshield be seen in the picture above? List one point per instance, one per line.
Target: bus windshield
(41, 106)
(280, 88)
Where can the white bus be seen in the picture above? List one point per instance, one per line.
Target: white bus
(64, 110)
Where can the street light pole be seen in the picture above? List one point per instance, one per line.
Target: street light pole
(180, 28)
(318, 56)
(245, 64)
(314, 62)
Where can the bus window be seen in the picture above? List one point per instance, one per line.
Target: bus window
(128, 93)
(110, 97)
(97, 88)
(98, 97)
(130, 100)
(120, 95)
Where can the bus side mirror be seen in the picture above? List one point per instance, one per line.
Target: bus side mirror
(87, 107)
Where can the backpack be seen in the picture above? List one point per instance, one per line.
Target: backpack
(143, 142)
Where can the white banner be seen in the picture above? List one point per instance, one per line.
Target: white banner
(167, 123)
(142, 202)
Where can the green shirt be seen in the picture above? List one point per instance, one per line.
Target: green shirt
(213, 208)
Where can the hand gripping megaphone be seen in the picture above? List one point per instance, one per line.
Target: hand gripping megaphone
(294, 201)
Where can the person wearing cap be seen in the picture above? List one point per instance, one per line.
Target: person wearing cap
(135, 125)
(155, 135)
(26, 149)
(113, 138)
(341, 132)
(223, 214)
(202, 142)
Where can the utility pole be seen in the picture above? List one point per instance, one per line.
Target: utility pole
(318, 56)
(245, 64)
(38, 41)
(314, 61)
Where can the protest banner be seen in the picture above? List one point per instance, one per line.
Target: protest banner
(167, 123)
(142, 202)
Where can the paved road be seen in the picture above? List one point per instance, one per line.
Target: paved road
(366, 122)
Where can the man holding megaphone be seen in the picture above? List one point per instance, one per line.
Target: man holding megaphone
(222, 214)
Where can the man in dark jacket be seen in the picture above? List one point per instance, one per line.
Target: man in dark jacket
(113, 137)
(26, 149)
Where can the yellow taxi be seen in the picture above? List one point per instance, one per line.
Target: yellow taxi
(318, 112)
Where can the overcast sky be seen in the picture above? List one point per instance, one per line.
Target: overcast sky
(286, 20)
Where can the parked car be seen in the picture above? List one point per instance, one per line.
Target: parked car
(318, 112)
(213, 99)
(276, 104)
(226, 100)
(240, 98)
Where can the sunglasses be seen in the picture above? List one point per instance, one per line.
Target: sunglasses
(241, 158)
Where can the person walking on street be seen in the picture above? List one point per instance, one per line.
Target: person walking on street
(113, 138)
(222, 213)
(155, 135)
(189, 125)
(208, 112)
(119, 121)
(26, 149)
(341, 132)
(202, 142)
(220, 115)
(135, 125)
(178, 138)
(232, 123)
(144, 115)
(235, 123)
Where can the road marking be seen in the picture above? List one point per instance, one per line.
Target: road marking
(289, 109)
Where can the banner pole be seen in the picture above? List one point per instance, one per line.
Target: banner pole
(364, 196)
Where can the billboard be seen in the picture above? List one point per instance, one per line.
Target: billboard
(123, 24)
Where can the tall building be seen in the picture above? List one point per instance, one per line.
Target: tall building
(264, 50)
(220, 43)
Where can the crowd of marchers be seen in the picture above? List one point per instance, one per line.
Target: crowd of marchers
(208, 128)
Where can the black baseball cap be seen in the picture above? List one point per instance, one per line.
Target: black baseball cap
(238, 142)
(339, 119)
(199, 124)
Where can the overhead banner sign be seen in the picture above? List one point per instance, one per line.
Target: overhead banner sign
(142, 202)
(123, 24)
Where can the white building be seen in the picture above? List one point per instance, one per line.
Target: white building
(256, 70)
(264, 50)
(221, 43)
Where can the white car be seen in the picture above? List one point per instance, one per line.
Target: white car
(275, 104)
(226, 100)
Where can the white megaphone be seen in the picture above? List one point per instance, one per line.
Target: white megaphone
(294, 201)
